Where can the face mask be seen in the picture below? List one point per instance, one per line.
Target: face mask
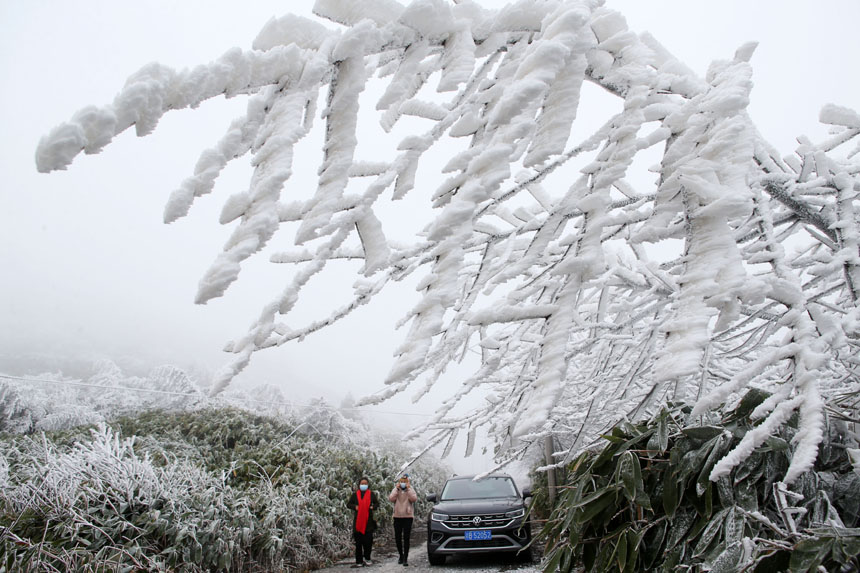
(402, 485)
(363, 487)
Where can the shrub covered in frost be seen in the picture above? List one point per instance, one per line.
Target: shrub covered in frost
(646, 502)
(213, 490)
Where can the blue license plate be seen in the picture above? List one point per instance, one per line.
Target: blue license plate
(478, 535)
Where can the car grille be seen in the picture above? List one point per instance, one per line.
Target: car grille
(486, 521)
(477, 544)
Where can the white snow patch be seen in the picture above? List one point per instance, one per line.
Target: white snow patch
(291, 29)
(351, 12)
(838, 115)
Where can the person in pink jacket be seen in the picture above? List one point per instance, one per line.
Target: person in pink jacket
(404, 497)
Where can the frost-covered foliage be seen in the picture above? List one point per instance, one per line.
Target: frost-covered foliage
(15, 415)
(644, 502)
(593, 294)
(52, 401)
(209, 490)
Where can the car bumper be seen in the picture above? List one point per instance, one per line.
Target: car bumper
(443, 541)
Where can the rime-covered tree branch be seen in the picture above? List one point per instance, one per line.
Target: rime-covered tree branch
(591, 295)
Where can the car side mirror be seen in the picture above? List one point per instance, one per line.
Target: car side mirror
(527, 493)
(431, 497)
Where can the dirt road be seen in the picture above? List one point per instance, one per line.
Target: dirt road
(385, 561)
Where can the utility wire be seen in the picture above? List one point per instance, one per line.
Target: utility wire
(84, 384)
(200, 395)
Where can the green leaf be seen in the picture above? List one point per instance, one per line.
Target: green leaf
(634, 540)
(653, 447)
(684, 524)
(605, 559)
(589, 555)
(727, 560)
(748, 403)
(746, 495)
(569, 559)
(808, 554)
(607, 454)
(613, 439)
(777, 444)
(663, 431)
(848, 544)
(554, 558)
(692, 462)
(715, 525)
(653, 544)
(630, 474)
(751, 468)
(642, 498)
(673, 558)
(716, 451)
(725, 491)
(702, 433)
(680, 447)
(822, 509)
(846, 496)
(708, 500)
(593, 496)
(574, 537)
(639, 439)
(671, 497)
(595, 507)
(570, 519)
(735, 524)
(621, 551)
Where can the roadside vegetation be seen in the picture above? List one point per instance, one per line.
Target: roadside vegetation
(644, 501)
(215, 489)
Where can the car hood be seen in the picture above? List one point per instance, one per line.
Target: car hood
(474, 506)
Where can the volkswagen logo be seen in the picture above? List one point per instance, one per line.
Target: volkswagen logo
(477, 520)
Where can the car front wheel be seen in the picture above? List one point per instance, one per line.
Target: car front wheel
(435, 559)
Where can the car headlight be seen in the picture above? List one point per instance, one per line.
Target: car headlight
(438, 516)
(516, 513)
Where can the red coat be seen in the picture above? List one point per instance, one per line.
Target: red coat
(352, 503)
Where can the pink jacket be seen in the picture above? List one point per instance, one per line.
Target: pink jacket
(403, 500)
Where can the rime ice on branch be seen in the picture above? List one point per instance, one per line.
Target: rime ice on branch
(555, 283)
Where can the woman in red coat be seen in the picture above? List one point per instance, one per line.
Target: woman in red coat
(362, 502)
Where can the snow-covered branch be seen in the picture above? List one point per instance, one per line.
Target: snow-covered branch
(590, 294)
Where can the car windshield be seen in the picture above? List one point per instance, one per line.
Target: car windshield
(486, 488)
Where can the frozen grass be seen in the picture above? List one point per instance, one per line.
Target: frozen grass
(212, 490)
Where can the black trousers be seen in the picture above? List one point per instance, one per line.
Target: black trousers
(402, 531)
(363, 545)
